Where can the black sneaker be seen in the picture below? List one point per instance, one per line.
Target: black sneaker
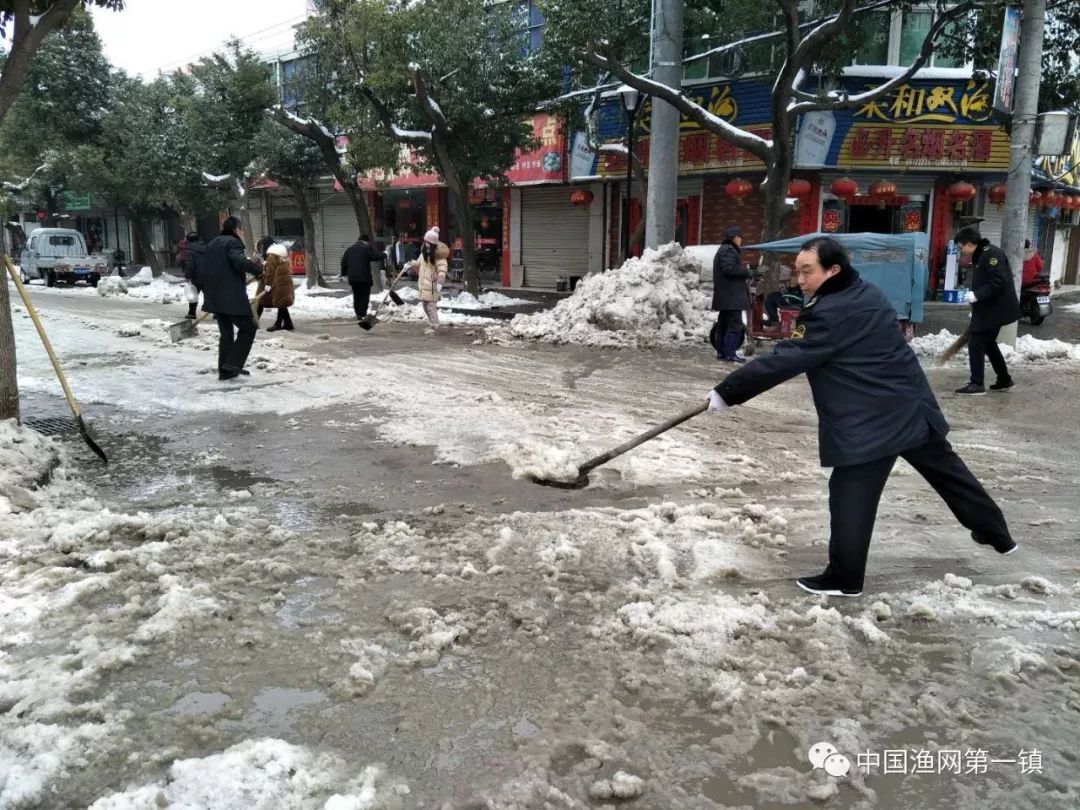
(1003, 385)
(1001, 548)
(971, 389)
(826, 585)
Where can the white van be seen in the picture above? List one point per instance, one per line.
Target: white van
(59, 255)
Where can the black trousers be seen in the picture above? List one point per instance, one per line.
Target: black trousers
(361, 296)
(233, 351)
(982, 345)
(730, 320)
(854, 493)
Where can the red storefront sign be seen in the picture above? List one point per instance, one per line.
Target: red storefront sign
(544, 164)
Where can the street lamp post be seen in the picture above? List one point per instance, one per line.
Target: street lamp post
(631, 98)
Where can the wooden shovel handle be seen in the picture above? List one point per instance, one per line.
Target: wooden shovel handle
(44, 338)
(652, 433)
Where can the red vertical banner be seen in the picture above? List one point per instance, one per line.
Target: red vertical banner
(940, 231)
(808, 209)
(505, 254)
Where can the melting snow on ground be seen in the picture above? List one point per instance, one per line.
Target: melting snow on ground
(1028, 349)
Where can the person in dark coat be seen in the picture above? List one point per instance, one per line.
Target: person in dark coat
(194, 248)
(356, 266)
(222, 272)
(993, 305)
(730, 296)
(874, 405)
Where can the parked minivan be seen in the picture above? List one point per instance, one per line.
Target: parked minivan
(59, 255)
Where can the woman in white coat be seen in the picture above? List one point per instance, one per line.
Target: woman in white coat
(433, 267)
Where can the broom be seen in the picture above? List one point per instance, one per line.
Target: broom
(954, 347)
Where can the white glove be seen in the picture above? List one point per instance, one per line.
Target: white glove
(969, 297)
(716, 402)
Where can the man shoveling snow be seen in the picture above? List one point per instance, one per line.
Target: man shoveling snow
(874, 405)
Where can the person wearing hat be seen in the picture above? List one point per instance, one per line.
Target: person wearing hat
(993, 305)
(433, 267)
(730, 296)
(874, 405)
(276, 287)
(356, 266)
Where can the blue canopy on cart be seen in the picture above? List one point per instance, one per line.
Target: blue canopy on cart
(895, 263)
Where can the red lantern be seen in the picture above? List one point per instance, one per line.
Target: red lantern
(739, 189)
(845, 188)
(882, 191)
(1074, 203)
(1059, 200)
(1034, 199)
(581, 197)
(961, 192)
(799, 188)
(997, 195)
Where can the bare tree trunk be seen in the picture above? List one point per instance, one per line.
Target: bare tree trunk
(9, 377)
(641, 194)
(144, 240)
(311, 261)
(359, 204)
(459, 193)
(243, 188)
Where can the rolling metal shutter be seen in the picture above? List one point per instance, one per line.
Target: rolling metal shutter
(339, 230)
(554, 236)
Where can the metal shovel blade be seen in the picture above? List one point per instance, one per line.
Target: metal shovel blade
(184, 329)
(580, 482)
(397, 299)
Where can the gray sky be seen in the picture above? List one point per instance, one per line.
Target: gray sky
(152, 35)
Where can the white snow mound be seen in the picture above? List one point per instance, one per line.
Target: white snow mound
(651, 301)
(26, 457)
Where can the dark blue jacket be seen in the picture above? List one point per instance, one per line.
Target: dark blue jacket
(870, 392)
(992, 282)
(221, 272)
(729, 274)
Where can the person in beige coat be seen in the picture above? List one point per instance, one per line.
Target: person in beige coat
(433, 267)
(276, 287)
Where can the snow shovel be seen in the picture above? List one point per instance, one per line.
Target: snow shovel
(186, 328)
(55, 362)
(367, 322)
(582, 479)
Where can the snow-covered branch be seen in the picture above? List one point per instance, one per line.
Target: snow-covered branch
(429, 106)
(22, 184)
(839, 99)
(601, 56)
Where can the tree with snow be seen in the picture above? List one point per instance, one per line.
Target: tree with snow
(449, 78)
(64, 92)
(24, 24)
(295, 162)
(805, 49)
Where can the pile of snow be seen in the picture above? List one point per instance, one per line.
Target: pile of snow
(26, 460)
(261, 773)
(1028, 349)
(142, 278)
(651, 301)
(488, 300)
(143, 285)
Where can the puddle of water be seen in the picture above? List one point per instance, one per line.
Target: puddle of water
(273, 705)
(200, 703)
(303, 605)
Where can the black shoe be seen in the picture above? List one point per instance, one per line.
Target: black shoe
(1001, 548)
(228, 375)
(273, 328)
(826, 585)
(971, 389)
(1003, 385)
(235, 371)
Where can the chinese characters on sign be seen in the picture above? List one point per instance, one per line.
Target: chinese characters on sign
(926, 146)
(964, 763)
(938, 104)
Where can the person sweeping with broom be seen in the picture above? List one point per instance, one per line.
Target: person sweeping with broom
(874, 405)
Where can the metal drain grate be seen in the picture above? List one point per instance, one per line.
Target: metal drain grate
(52, 425)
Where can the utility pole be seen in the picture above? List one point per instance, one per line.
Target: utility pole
(1025, 110)
(666, 63)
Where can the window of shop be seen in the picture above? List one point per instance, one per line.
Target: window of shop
(288, 228)
(404, 211)
(896, 38)
(902, 215)
(487, 230)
